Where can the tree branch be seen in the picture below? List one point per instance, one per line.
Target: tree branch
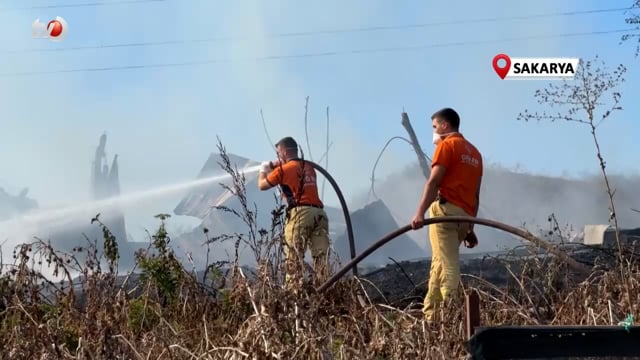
(595, 81)
(326, 153)
(372, 191)
(527, 116)
(634, 19)
(580, 98)
(264, 126)
(306, 128)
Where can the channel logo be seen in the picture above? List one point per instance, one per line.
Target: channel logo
(535, 68)
(54, 30)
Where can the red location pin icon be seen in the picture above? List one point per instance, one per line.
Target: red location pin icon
(501, 71)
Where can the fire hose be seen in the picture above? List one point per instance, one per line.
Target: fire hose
(345, 210)
(457, 219)
(352, 265)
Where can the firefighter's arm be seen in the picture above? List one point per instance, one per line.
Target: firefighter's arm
(430, 191)
(267, 178)
(263, 183)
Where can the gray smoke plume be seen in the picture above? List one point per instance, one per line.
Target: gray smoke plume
(521, 199)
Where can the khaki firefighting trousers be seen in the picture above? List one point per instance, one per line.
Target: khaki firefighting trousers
(306, 227)
(445, 238)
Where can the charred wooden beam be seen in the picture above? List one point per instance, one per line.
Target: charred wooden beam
(416, 145)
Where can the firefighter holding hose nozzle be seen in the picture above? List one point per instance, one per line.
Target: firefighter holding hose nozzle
(453, 189)
(307, 224)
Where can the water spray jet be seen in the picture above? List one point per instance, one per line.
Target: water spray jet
(68, 214)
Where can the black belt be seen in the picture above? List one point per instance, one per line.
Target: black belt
(300, 205)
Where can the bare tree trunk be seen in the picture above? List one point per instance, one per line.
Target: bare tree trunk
(416, 145)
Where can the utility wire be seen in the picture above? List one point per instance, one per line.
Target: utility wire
(92, 4)
(317, 54)
(321, 32)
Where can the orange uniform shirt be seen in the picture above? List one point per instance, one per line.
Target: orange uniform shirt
(464, 171)
(298, 181)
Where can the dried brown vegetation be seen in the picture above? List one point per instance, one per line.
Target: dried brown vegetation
(166, 312)
(160, 310)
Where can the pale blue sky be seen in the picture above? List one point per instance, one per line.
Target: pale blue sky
(163, 121)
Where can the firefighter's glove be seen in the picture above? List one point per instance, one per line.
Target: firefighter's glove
(265, 167)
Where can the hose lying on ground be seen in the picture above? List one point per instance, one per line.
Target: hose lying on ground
(458, 219)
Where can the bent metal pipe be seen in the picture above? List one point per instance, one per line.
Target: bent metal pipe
(458, 219)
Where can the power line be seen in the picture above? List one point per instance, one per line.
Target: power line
(100, 3)
(321, 32)
(319, 54)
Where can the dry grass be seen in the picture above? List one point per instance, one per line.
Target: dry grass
(168, 312)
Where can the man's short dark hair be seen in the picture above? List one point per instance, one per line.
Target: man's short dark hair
(449, 115)
(288, 143)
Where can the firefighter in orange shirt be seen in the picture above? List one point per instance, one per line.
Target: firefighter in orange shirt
(453, 189)
(307, 224)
